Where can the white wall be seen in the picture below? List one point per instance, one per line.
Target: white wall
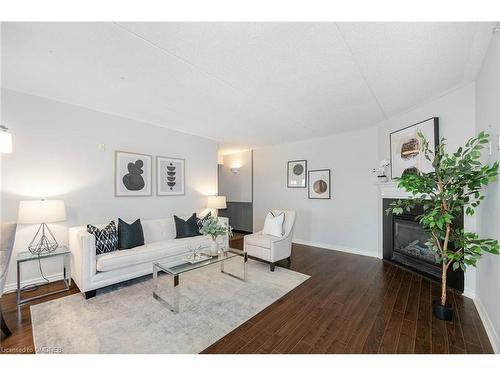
(488, 119)
(56, 155)
(348, 221)
(237, 187)
(456, 112)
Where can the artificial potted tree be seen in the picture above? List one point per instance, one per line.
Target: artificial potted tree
(455, 186)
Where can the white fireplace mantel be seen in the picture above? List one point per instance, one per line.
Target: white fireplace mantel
(391, 190)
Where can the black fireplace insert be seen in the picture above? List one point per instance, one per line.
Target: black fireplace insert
(404, 243)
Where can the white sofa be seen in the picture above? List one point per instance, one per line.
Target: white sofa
(272, 248)
(91, 272)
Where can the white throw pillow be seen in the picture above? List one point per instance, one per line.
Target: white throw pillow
(274, 224)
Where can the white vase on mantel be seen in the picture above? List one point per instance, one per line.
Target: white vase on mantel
(214, 248)
(383, 179)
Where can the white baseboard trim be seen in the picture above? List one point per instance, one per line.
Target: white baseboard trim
(343, 249)
(470, 293)
(37, 280)
(488, 325)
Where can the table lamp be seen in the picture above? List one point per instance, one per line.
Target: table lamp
(217, 202)
(42, 212)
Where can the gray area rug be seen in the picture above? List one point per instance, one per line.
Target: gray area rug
(126, 319)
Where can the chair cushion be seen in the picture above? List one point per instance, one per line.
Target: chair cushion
(289, 219)
(274, 224)
(260, 240)
(148, 253)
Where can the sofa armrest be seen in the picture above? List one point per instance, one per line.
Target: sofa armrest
(247, 235)
(83, 258)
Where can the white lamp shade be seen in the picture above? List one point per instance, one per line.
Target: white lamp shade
(5, 142)
(41, 211)
(217, 202)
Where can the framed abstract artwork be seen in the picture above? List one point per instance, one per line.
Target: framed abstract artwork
(170, 176)
(319, 184)
(406, 156)
(133, 173)
(296, 172)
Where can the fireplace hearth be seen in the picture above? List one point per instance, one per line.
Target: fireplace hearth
(405, 244)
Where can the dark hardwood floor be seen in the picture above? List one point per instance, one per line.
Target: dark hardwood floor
(238, 238)
(351, 304)
(356, 304)
(21, 341)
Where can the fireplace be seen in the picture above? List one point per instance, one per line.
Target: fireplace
(404, 242)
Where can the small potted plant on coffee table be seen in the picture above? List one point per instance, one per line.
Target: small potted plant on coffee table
(214, 228)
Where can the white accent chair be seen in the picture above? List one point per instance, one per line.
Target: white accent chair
(271, 248)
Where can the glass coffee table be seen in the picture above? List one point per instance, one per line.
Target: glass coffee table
(184, 265)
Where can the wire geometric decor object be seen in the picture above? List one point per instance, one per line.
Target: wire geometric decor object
(42, 242)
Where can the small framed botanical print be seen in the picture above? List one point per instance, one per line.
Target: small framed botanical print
(170, 176)
(296, 172)
(319, 184)
(132, 174)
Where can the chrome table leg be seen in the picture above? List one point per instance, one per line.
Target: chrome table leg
(174, 306)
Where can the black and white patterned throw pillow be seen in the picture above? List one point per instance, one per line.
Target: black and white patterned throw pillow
(202, 220)
(106, 239)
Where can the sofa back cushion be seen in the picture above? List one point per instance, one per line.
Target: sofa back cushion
(156, 230)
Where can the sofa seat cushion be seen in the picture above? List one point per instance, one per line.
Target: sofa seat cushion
(261, 240)
(148, 253)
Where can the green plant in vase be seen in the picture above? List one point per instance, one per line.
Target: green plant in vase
(214, 228)
(454, 187)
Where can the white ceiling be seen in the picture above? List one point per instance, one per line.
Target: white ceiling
(244, 84)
